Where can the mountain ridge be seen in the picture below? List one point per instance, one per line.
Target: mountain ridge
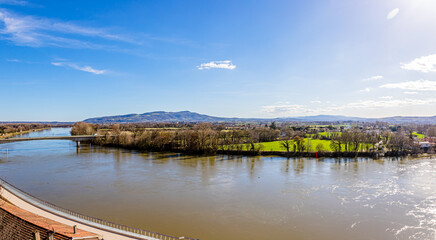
(188, 116)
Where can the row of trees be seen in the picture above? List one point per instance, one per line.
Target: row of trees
(352, 141)
(202, 137)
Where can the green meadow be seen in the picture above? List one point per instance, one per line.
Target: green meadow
(420, 136)
(276, 145)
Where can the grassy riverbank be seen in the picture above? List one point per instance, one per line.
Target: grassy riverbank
(9, 135)
(9, 130)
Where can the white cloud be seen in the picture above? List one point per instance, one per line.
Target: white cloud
(285, 109)
(84, 68)
(411, 93)
(217, 64)
(387, 97)
(423, 64)
(378, 77)
(370, 104)
(37, 31)
(317, 101)
(392, 14)
(419, 85)
(365, 90)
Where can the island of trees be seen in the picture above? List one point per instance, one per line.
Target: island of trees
(287, 139)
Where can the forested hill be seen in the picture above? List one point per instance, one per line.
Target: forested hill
(160, 116)
(187, 116)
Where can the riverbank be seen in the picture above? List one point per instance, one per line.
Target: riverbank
(372, 155)
(9, 135)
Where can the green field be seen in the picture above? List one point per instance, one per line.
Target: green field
(420, 136)
(325, 134)
(276, 146)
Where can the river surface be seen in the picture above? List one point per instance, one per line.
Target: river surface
(230, 197)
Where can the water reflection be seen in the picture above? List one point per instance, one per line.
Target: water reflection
(231, 197)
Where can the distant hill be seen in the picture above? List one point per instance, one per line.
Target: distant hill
(160, 116)
(187, 116)
(399, 119)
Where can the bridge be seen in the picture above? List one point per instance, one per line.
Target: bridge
(76, 138)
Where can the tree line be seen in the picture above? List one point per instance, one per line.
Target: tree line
(193, 138)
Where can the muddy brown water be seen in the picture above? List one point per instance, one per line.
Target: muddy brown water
(230, 197)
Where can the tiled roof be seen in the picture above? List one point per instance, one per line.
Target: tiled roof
(45, 223)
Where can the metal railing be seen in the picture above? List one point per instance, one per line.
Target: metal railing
(114, 226)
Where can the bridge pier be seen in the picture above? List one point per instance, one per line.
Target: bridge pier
(78, 144)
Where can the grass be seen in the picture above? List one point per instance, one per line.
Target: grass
(420, 136)
(329, 133)
(276, 145)
(325, 134)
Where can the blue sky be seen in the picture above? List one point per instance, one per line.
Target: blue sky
(70, 60)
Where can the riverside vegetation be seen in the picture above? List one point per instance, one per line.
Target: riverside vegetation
(12, 129)
(365, 139)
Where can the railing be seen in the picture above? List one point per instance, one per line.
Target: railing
(41, 203)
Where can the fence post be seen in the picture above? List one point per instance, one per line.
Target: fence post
(36, 235)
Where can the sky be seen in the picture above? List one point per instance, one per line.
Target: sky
(72, 60)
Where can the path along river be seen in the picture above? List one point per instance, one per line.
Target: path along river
(230, 197)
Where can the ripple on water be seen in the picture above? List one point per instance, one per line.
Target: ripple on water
(416, 200)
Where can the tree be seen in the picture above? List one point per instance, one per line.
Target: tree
(82, 128)
(286, 143)
(299, 143)
(308, 145)
(336, 143)
(319, 147)
(431, 132)
(399, 142)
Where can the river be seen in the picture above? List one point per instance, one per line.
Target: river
(230, 197)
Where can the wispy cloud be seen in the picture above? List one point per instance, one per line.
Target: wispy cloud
(80, 68)
(392, 14)
(373, 78)
(287, 109)
(423, 64)
(217, 64)
(13, 60)
(14, 2)
(37, 31)
(387, 97)
(411, 93)
(418, 85)
(371, 104)
(365, 90)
